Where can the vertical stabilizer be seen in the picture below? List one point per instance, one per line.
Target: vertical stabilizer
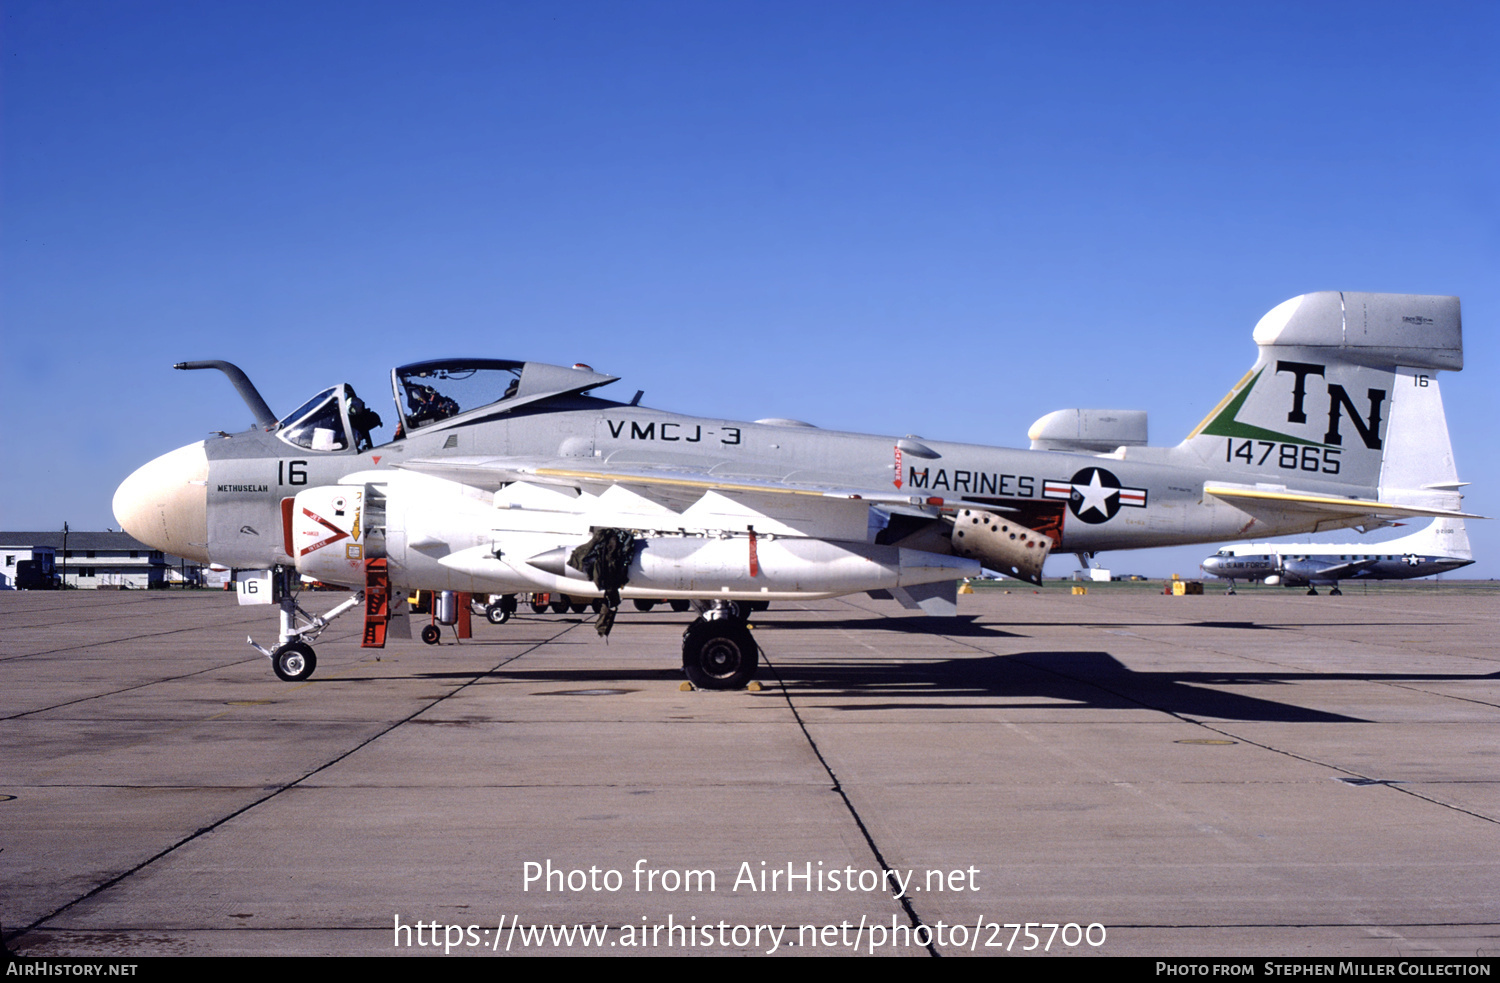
(1419, 467)
(1445, 537)
(1343, 397)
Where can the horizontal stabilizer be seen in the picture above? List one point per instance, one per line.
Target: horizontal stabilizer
(1252, 500)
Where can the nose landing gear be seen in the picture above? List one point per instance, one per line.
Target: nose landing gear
(293, 659)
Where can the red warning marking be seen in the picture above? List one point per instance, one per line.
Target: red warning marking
(375, 458)
(338, 533)
(897, 482)
(287, 521)
(754, 560)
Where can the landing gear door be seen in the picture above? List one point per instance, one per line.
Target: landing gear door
(255, 587)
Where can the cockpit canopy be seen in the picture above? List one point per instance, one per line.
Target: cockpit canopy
(430, 392)
(465, 390)
(334, 420)
(318, 424)
(427, 392)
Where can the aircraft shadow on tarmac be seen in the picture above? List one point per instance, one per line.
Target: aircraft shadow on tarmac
(1086, 680)
(969, 626)
(1050, 680)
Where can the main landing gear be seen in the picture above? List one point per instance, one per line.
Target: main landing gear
(293, 659)
(499, 612)
(717, 649)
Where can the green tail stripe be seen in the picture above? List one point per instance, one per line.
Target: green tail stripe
(1225, 424)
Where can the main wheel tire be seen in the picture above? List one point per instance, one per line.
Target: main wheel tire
(431, 634)
(681, 605)
(293, 662)
(497, 614)
(596, 605)
(719, 654)
(643, 605)
(538, 603)
(578, 607)
(560, 604)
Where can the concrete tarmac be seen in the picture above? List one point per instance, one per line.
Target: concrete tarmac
(1264, 774)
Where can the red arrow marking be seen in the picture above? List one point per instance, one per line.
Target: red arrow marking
(338, 533)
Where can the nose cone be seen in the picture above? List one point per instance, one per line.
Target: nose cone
(164, 504)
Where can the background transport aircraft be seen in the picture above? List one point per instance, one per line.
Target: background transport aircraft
(1442, 546)
(508, 476)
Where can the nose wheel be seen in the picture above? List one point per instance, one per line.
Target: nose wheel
(294, 662)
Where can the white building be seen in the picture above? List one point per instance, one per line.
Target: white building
(91, 560)
(14, 557)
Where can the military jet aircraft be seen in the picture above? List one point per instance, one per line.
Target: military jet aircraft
(510, 476)
(1442, 546)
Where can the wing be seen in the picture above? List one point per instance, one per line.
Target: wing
(682, 496)
(1319, 570)
(675, 485)
(677, 496)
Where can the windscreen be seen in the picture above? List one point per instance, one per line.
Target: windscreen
(317, 424)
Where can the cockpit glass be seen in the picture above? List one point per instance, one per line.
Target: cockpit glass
(305, 408)
(317, 424)
(427, 392)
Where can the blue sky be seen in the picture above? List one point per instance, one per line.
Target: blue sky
(819, 210)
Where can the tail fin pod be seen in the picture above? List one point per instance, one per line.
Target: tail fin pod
(1320, 405)
(1378, 330)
